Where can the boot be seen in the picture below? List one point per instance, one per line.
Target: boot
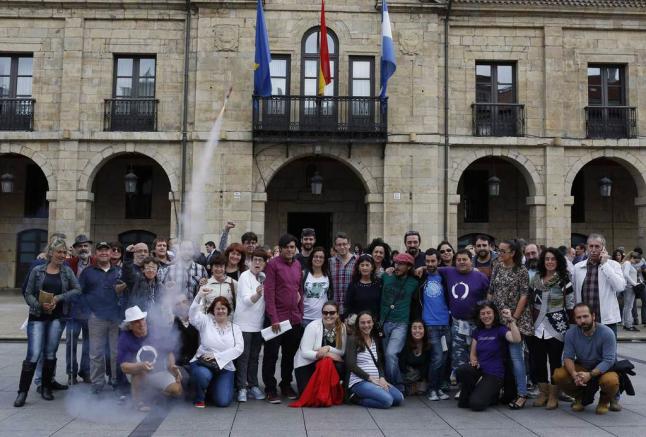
(541, 400)
(604, 402)
(553, 397)
(26, 375)
(48, 376)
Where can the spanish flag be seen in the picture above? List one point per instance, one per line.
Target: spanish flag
(324, 74)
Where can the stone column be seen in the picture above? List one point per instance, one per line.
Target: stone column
(258, 204)
(375, 216)
(566, 230)
(553, 70)
(640, 203)
(83, 225)
(536, 206)
(71, 77)
(454, 201)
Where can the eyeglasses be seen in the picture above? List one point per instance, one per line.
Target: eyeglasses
(446, 250)
(329, 313)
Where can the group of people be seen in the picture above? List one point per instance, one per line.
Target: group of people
(369, 328)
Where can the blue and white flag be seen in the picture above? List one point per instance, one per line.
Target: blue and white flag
(388, 64)
(261, 73)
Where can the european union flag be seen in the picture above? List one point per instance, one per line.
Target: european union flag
(261, 74)
(388, 64)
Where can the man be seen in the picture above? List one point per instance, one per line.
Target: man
(308, 240)
(78, 315)
(579, 252)
(341, 267)
(589, 353)
(435, 315)
(160, 252)
(412, 241)
(148, 361)
(464, 287)
(485, 257)
(185, 272)
(98, 290)
(532, 253)
(211, 252)
(283, 292)
(250, 242)
(396, 295)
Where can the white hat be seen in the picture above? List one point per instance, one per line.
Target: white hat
(134, 313)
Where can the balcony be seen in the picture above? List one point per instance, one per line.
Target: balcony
(498, 119)
(316, 119)
(17, 114)
(611, 122)
(131, 115)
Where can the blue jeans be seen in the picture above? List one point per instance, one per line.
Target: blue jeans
(373, 396)
(74, 328)
(438, 356)
(394, 341)
(219, 388)
(518, 364)
(43, 337)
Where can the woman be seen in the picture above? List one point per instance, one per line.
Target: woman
(446, 254)
(116, 254)
(414, 360)
(380, 252)
(358, 249)
(552, 302)
(632, 284)
(235, 257)
(364, 291)
(364, 361)
(250, 316)
(143, 290)
(323, 338)
(221, 342)
(220, 284)
(618, 255)
(317, 286)
(48, 285)
(509, 289)
(482, 379)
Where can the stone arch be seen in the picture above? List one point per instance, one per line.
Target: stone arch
(95, 164)
(520, 162)
(269, 168)
(627, 160)
(41, 160)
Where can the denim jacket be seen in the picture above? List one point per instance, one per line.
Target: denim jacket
(69, 280)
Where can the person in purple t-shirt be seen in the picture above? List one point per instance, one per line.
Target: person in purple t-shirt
(482, 379)
(464, 287)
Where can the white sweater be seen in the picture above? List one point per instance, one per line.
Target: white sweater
(248, 315)
(225, 346)
(311, 342)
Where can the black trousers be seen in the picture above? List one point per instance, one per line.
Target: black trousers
(304, 374)
(477, 390)
(543, 351)
(289, 342)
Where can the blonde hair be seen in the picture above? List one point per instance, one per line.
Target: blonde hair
(55, 245)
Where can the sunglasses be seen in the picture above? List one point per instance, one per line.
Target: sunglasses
(329, 313)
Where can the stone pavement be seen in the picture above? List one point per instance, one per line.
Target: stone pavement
(77, 413)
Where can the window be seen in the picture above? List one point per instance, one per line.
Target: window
(15, 76)
(311, 62)
(495, 83)
(29, 244)
(279, 71)
(139, 204)
(35, 193)
(476, 196)
(362, 76)
(578, 192)
(134, 77)
(133, 106)
(495, 112)
(607, 115)
(606, 85)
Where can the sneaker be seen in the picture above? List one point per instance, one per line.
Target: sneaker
(289, 392)
(443, 396)
(615, 405)
(433, 396)
(273, 398)
(200, 404)
(242, 395)
(453, 380)
(255, 393)
(457, 395)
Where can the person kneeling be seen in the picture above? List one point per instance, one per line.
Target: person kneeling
(221, 342)
(589, 353)
(141, 358)
(483, 378)
(364, 361)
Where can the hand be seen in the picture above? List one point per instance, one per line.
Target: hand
(275, 328)
(474, 363)
(175, 371)
(203, 281)
(389, 271)
(383, 383)
(120, 287)
(49, 307)
(604, 256)
(130, 248)
(204, 291)
(145, 366)
(420, 271)
(259, 290)
(506, 315)
(334, 357)
(42, 255)
(229, 225)
(579, 379)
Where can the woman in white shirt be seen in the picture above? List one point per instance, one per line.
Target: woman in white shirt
(632, 280)
(249, 316)
(221, 342)
(219, 284)
(323, 337)
(317, 287)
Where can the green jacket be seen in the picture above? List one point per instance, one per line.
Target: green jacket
(398, 292)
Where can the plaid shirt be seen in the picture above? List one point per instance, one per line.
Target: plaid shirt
(341, 277)
(590, 288)
(189, 279)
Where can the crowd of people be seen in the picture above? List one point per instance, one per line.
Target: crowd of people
(493, 323)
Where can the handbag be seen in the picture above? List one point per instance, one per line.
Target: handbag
(209, 362)
(639, 288)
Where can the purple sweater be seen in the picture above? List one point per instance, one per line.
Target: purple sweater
(283, 291)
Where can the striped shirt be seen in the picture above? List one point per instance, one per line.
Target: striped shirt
(365, 363)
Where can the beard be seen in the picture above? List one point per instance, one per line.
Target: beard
(531, 264)
(413, 251)
(587, 327)
(483, 253)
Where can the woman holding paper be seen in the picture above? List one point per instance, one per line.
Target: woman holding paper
(48, 285)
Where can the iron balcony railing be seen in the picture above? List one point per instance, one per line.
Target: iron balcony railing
(17, 114)
(297, 118)
(611, 122)
(498, 119)
(130, 114)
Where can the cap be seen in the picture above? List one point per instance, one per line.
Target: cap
(102, 245)
(404, 258)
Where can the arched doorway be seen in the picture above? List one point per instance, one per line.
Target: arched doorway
(501, 216)
(147, 209)
(23, 207)
(291, 205)
(612, 213)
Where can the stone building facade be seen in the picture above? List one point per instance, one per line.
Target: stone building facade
(543, 124)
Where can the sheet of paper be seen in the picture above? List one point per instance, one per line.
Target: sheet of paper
(268, 334)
